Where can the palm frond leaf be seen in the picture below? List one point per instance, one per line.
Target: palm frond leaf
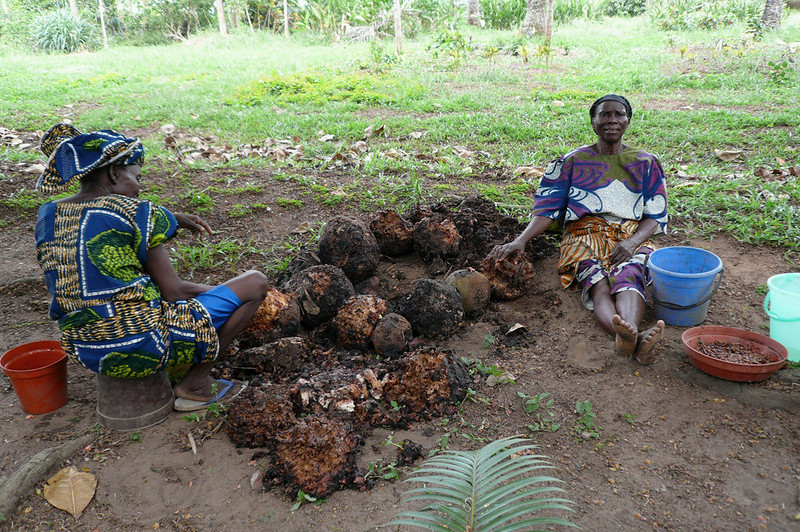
(492, 489)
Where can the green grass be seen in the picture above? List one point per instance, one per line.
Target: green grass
(693, 92)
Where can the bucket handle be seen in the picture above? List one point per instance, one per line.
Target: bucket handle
(673, 306)
(774, 316)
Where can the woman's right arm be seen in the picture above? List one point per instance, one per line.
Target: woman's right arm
(536, 227)
(162, 272)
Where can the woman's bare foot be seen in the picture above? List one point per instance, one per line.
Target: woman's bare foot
(627, 337)
(196, 389)
(647, 340)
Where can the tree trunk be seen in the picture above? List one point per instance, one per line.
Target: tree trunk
(223, 27)
(4, 6)
(771, 18)
(285, 18)
(535, 17)
(548, 23)
(398, 30)
(474, 12)
(101, 8)
(73, 7)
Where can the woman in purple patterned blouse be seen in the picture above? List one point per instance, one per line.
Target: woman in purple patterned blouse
(609, 198)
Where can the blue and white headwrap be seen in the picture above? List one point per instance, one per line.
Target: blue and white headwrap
(74, 154)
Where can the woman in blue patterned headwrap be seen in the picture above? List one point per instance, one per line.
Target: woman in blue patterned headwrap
(610, 199)
(122, 309)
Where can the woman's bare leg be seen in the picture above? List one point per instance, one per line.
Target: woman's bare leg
(251, 288)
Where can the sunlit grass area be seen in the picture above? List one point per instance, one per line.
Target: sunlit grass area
(692, 92)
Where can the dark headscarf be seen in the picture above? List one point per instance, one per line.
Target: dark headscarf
(611, 98)
(74, 154)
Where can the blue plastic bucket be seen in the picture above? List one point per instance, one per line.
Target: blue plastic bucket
(782, 305)
(684, 279)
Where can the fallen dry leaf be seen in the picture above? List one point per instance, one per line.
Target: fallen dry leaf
(530, 171)
(167, 129)
(70, 490)
(192, 443)
(516, 327)
(727, 155)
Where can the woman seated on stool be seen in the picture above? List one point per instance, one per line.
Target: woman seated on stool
(122, 309)
(610, 199)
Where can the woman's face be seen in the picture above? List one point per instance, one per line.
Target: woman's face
(610, 121)
(126, 179)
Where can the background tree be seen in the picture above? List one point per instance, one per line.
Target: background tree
(535, 17)
(220, 8)
(474, 12)
(771, 18)
(73, 7)
(102, 12)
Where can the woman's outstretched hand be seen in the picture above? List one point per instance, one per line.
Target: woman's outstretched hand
(193, 223)
(506, 250)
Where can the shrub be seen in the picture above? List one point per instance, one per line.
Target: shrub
(624, 8)
(503, 14)
(61, 31)
(567, 10)
(14, 29)
(436, 13)
(690, 15)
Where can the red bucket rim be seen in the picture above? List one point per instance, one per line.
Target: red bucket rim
(40, 345)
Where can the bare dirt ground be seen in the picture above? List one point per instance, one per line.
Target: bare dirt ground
(676, 449)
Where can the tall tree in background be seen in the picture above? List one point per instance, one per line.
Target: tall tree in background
(285, 18)
(4, 6)
(101, 8)
(398, 30)
(223, 27)
(771, 18)
(474, 12)
(73, 7)
(535, 18)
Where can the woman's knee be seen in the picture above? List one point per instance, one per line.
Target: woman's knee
(252, 285)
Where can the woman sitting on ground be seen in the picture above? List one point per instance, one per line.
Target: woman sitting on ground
(610, 199)
(122, 309)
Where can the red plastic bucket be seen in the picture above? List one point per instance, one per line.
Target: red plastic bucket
(38, 373)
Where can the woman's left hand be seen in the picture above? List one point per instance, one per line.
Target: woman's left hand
(193, 223)
(623, 251)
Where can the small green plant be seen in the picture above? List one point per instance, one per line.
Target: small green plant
(779, 72)
(395, 405)
(303, 498)
(475, 367)
(630, 418)
(762, 289)
(587, 426)
(136, 436)
(541, 407)
(490, 52)
(289, 203)
(450, 44)
(489, 341)
(386, 471)
(193, 417)
(379, 58)
(487, 489)
(239, 210)
(199, 200)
